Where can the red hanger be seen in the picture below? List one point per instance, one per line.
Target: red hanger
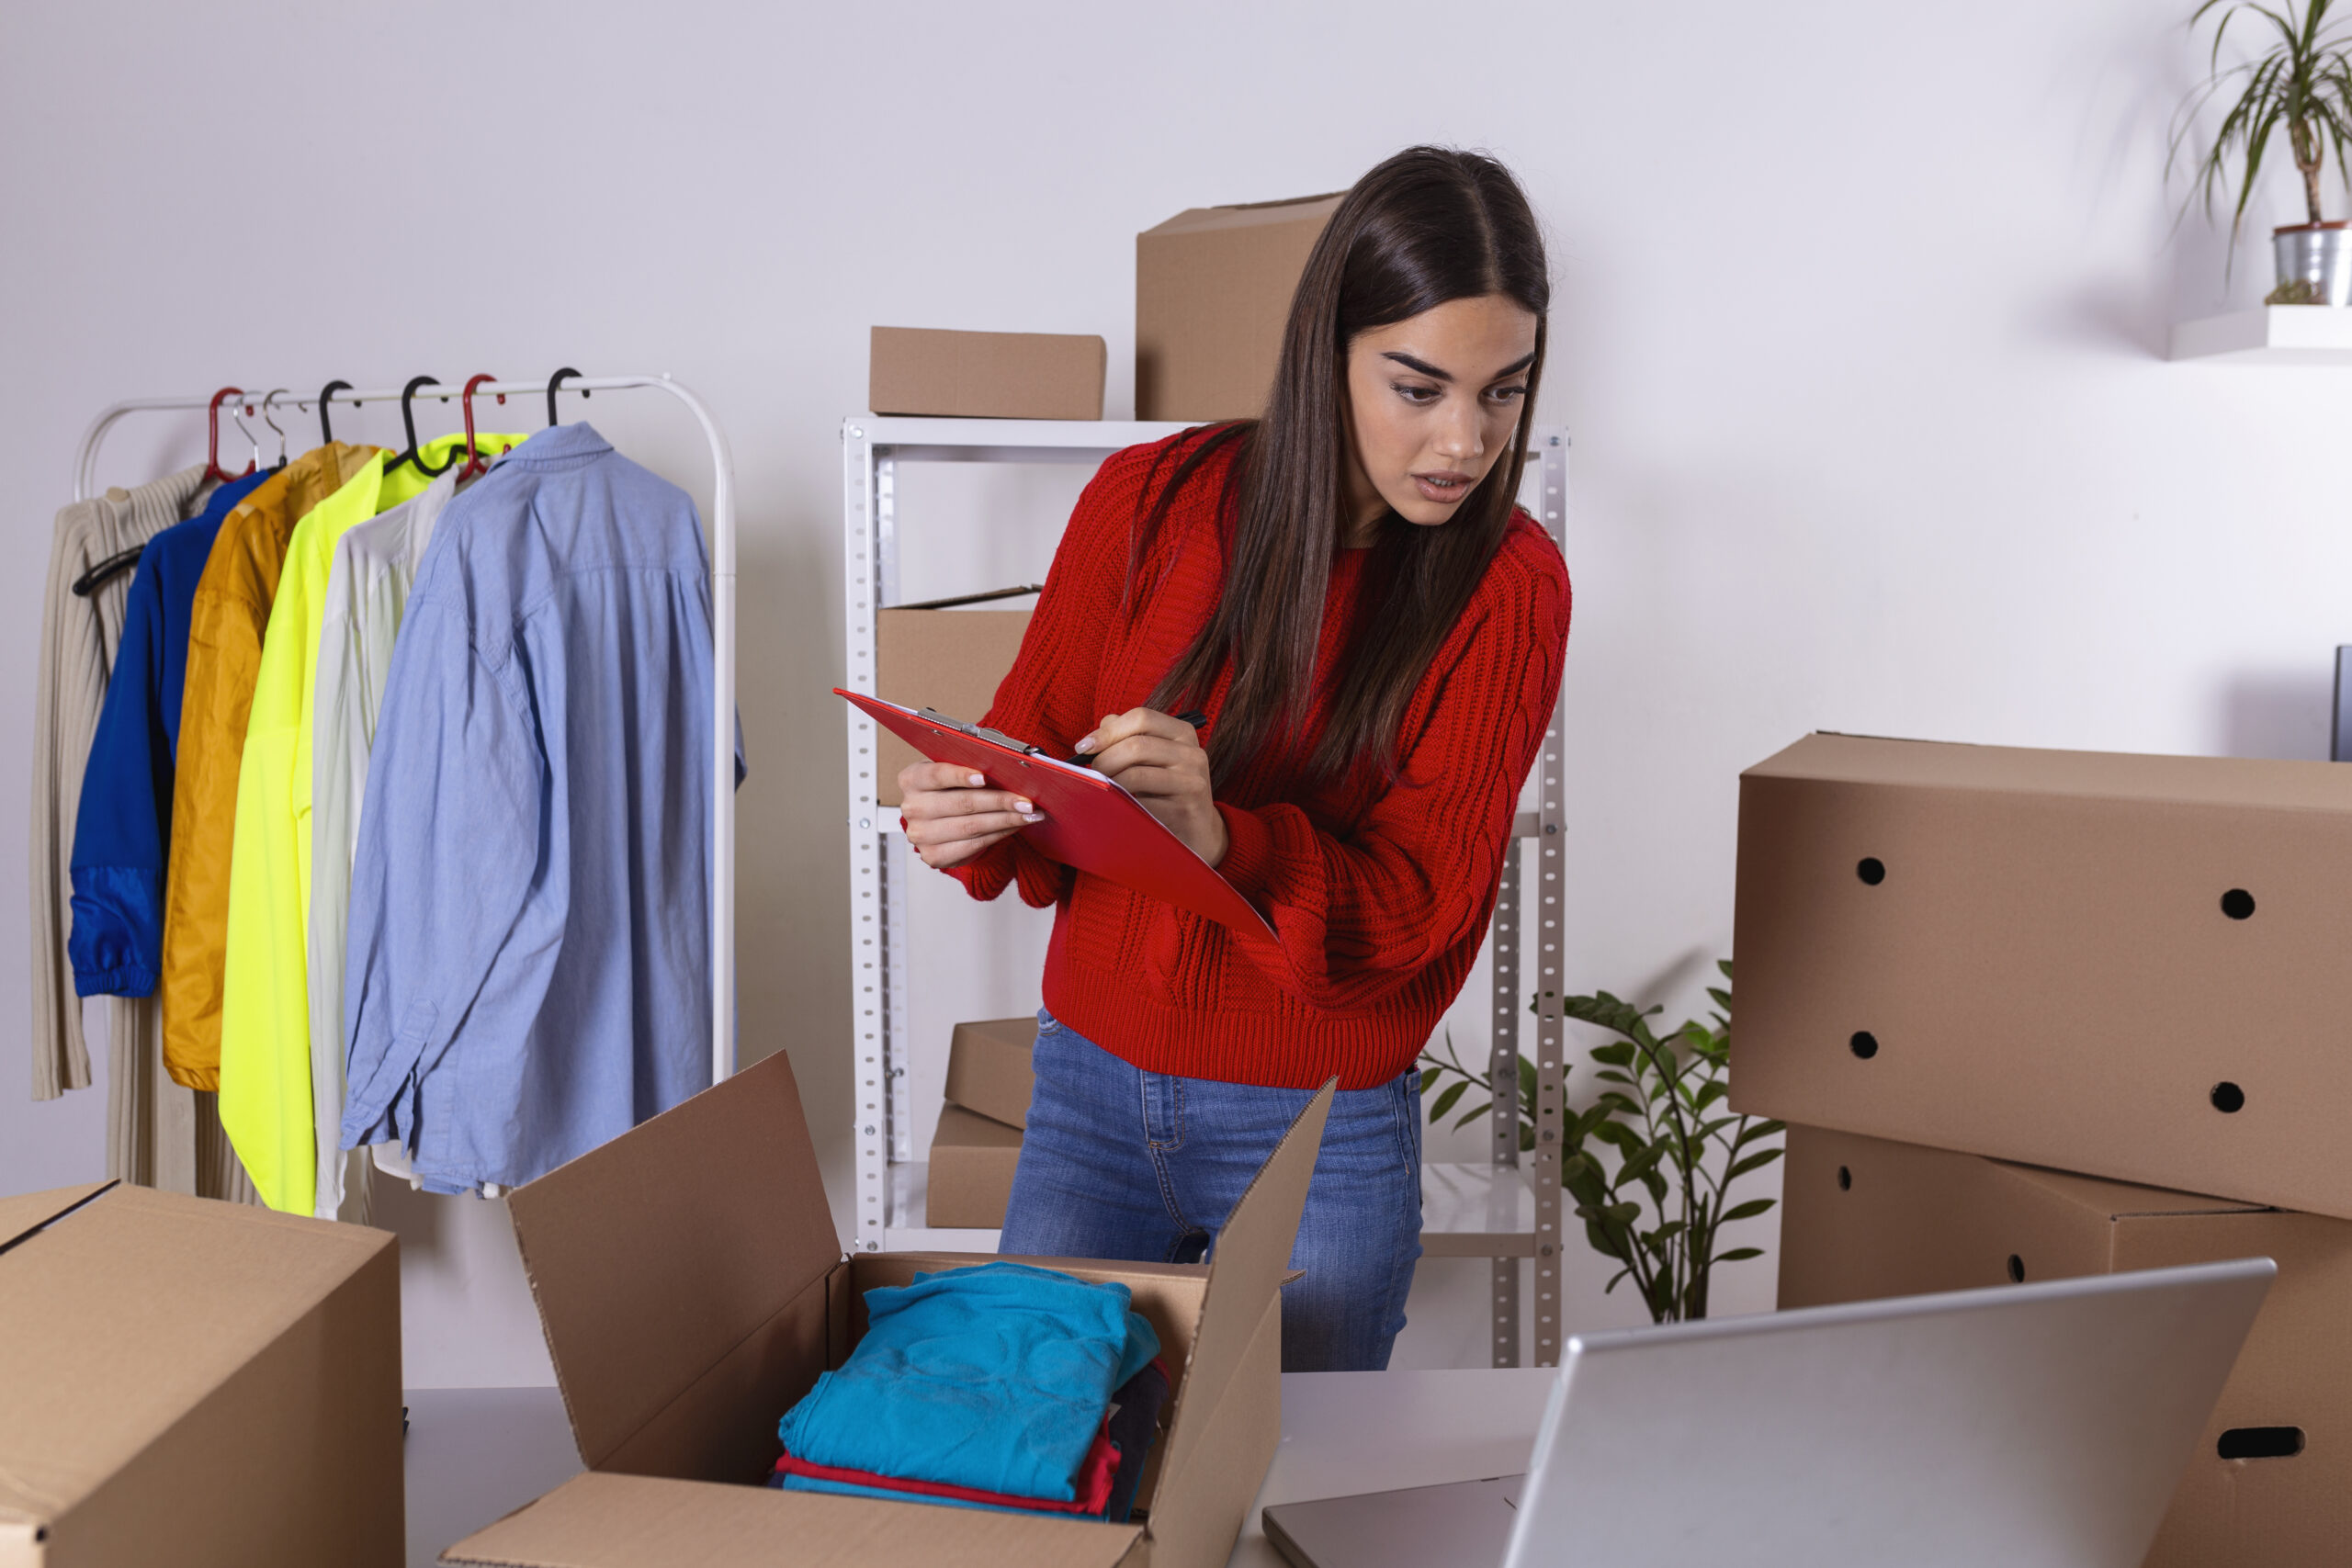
(475, 461)
(212, 468)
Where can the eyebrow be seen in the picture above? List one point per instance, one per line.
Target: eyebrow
(1423, 366)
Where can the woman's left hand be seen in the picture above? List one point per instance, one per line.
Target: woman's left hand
(1159, 760)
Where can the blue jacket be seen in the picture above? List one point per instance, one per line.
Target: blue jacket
(528, 967)
(122, 830)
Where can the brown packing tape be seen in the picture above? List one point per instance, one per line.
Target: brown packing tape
(1865, 1218)
(2048, 957)
(657, 1256)
(949, 660)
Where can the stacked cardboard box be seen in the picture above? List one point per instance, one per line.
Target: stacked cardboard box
(2024, 1010)
(978, 1141)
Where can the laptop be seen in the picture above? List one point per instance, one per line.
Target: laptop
(2025, 1425)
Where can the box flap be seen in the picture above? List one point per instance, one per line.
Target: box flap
(1246, 1270)
(2238, 782)
(145, 1304)
(1249, 215)
(23, 1215)
(658, 1255)
(2121, 1200)
(627, 1521)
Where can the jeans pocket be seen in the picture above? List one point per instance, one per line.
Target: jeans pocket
(1046, 1022)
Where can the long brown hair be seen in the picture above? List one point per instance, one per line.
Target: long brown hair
(1430, 225)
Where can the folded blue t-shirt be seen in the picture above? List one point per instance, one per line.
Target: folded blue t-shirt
(994, 1378)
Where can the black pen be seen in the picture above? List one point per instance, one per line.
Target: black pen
(1197, 720)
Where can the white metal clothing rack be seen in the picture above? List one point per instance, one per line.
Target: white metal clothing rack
(1496, 1211)
(722, 602)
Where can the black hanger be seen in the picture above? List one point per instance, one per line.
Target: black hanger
(408, 424)
(326, 431)
(114, 566)
(555, 381)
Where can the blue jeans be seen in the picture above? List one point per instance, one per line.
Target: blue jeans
(1124, 1164)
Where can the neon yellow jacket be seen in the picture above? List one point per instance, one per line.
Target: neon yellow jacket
(264, 1003)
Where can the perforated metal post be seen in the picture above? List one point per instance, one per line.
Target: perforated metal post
(1550, 1028)
(869, 908)
(1502, 1081)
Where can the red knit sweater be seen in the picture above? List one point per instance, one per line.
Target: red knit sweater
(1378, 893)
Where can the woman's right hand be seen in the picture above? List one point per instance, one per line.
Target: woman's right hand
(951, 816)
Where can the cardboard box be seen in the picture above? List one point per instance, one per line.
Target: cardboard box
(692, 1288)
(949, 660)
(972, 1162)
(1864, 1218)
(988, 1068)
(194, 1382)
(985, 375)
(2129, 966)
(1213, 292)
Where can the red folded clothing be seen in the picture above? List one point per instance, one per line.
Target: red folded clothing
(1093, 1482)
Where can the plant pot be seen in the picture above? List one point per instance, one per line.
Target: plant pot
(2314, 264)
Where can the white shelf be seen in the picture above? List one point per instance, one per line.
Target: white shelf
(1467, 1210)
(2275, 334)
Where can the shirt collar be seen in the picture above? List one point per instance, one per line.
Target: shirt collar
(560, 443)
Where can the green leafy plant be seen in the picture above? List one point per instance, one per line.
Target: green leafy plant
(1656, 1200)
(2302, 81)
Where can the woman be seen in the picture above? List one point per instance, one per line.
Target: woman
(1374, 633)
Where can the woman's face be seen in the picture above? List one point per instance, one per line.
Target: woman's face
(1433, 401)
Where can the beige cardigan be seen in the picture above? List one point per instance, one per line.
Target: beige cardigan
(157, 1134)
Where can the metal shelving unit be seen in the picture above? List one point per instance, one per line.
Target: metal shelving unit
(1503, 1210)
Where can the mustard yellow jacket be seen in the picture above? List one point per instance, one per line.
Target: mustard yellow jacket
(225, 632)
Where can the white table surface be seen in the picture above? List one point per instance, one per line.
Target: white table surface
(477, 1454)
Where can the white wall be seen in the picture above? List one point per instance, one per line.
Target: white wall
(1859, 325)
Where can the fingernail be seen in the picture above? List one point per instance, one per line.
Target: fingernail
(975, 779)
(1023, 806)
(1085, 746)
(1032, 817)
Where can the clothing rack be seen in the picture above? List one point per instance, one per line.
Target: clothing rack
(722, 571)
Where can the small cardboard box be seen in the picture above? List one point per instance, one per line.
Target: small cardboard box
(972, 1162)
(985, 375)
(1864, 1218)
(692, 1288)
(1213, 292)
(988, 1068)
(194, 1382)
(2129, 966)
(949, 660)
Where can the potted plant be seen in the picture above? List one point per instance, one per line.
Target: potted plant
(2301, 83)
(1655, 1204)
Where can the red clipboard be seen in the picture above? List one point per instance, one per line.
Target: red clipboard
(1091, 823)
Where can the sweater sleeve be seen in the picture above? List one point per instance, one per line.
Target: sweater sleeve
(1047, 697)
(1356, 917)
(117, 943)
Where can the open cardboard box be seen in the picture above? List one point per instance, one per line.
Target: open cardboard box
(1863, 1218)
(185, 1382)
(2129, 967)
(692, 1287)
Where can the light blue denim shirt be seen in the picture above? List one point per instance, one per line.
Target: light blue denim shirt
(528, 967)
